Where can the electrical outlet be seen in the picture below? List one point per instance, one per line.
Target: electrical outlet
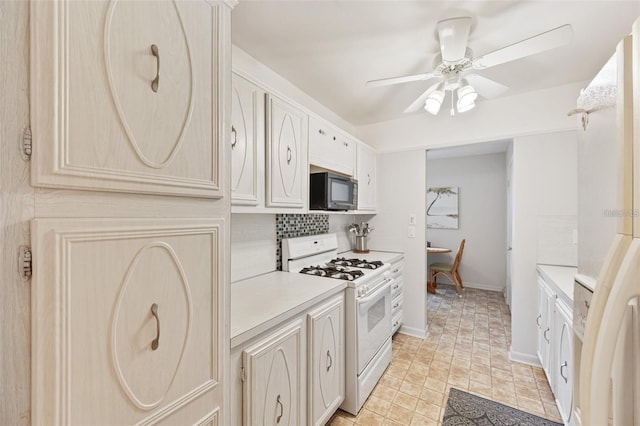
(412, 219)
(411, 232)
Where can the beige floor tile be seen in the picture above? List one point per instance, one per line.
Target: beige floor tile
(426, 409)
(369, 418)
(531, 406)
(340, 421)
(480, 377)
(407, 401)
(482, 389)
(436, 385)
(384, 392)
(390, 381)
(433, 397)
(377, 405)
(551, 410)
(400, 414)
(410, 388)
(415, 377)
(420, 420)
(528, 392)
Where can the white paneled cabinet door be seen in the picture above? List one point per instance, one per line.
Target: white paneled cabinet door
(247, 143)
(329, 148)
(286, 154)
(564, 361)
(366, 168)
(125, 321)
(326, 356)
(273, 392)
(125, 96)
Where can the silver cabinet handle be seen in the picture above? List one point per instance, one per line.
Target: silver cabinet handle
(156, 342)
(563, 365)
(545, 335)
(369, 179)
(278, 402)
(235, 137)
(538, 319)
(156, 81)
(329, 360)
(288, 155)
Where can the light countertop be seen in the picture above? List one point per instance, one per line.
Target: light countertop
(562, 278)
(383, 256)
(262, 302)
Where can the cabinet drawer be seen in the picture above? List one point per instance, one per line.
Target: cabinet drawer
(396, 288)
(133, 307)
(396, 322)
(396, 306)
(397, 269)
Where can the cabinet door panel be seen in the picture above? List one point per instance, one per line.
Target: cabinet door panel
(129, 321)
(98, 120)
(287, 154)
(326, 361)
(366, 161)
(247, 142)
(273, 388)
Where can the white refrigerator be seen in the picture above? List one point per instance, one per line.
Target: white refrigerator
(606, 322)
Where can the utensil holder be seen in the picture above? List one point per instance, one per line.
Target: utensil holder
(361, 244)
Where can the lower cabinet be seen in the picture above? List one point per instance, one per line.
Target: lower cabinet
(292, 374)
(325, 366)
(396, 294)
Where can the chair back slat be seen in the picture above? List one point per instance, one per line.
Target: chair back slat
(458, 258)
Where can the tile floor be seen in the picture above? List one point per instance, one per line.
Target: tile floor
(467, 348)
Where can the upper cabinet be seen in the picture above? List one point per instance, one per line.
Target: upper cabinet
(287, 174)
(247, 143)
(329, 148)
(125, 97)
(366, 175)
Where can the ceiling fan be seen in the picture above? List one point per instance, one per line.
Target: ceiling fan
(453, 66)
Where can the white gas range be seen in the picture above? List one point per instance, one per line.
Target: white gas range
(368, 309)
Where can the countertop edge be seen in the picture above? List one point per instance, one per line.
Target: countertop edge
(548, 276)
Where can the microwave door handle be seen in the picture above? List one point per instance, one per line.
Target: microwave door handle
(363, 303)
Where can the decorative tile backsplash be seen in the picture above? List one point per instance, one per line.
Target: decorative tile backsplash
(298, 225)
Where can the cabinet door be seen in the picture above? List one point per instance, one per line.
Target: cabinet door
(126, 98)
(325, 368)
(564, 363)
(125, 325)
(286, 154)
(273, 389)
(247, 143)
(366, 162)
(329, 148)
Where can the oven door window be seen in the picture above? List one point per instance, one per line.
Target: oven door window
(376, 314)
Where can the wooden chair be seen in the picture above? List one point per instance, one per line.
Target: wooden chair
(448, 270)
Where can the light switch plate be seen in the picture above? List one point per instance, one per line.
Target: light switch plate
(411, 231)
(412, 219)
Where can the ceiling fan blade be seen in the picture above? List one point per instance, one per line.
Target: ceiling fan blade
(419, 103)
(539, 43)
(398, 80)
(454, 35)
(485, 87)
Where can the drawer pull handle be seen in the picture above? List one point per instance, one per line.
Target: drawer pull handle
(587, 304)
(538, 319)
(235, 137)
(368, 179)
(156, 342)
(156, 81)
(563, 365)
(288, 155)
(278, 402)
(545, 335)
(329, 360)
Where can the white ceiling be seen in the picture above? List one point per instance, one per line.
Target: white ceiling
(330, 48)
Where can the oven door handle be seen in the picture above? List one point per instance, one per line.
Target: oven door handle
(362, 303)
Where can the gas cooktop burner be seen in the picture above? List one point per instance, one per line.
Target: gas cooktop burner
(337, 272)
(356, 263)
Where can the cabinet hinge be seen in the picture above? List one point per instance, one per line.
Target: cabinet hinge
(242, 374)
(24, 262)
(26, 144)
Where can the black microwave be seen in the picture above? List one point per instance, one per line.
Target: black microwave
(330, 191)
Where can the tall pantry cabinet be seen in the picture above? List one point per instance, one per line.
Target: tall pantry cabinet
(130, 108)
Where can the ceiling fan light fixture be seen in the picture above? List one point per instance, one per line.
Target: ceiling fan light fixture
(434, 102)
(466, 107)
(466, 96)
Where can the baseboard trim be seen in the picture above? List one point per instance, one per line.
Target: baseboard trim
(411, 331)
(524, 358)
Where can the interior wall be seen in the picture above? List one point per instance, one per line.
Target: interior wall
(401, 192)
(481, 181)
(538, 112)
(544, 185)
(253, 245)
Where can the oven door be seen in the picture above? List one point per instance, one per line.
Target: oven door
(373, 317)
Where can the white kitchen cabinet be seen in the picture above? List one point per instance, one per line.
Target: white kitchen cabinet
(127, 98)
(274, 390)
(397, 284)
(247, 143)
(329, 148)
(131, 305)
(563, 360)
(546, 300)
(325, 368)
(366, 175)
(287, 171)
